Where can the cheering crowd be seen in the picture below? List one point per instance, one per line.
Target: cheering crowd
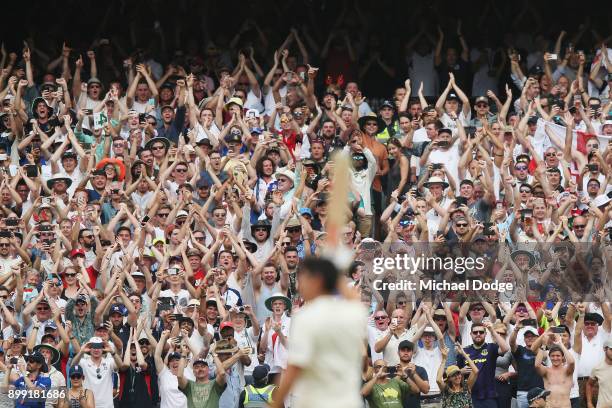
(156, 214)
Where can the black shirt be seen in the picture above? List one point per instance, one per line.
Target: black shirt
(525, 364)
(414, 400)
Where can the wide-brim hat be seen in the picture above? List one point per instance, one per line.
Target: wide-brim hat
(594, 317)
(287, 173)
(39, 358)
(435, 180)
(59, 177)
(262, 224)
(371, 116)
(163, 140)
(450, 371)
(518, 252)
(35, 103)
(117, 163)
(55, 354)
(278, 296)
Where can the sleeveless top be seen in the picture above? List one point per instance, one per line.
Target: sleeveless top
(461, 399)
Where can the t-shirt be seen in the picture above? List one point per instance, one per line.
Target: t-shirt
(484, 357)
(171, 396)
(99, 379)
(525, 361)
(40, 382)
(327, 347)
(388, 395)
(413, 400)
(203, 395)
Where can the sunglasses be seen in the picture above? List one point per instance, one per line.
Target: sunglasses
(70, 275)
(478, 332)
(579, 226)
(525, 191)
(294, 229)
(43, 309)
(158, 148)
(200, 238)
(550, 154)
(4, 244)
(380, 317)
(477, 309)
(163, 215)
(181, 170)
(520, 167)
(371, 124)
(76, 377)
(462, 225)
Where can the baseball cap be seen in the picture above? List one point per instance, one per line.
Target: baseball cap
(77, 251)
(481, 99)
(225, 324)
(260, 372)
(535, 394)
(387, 104)
(452, 96)
(200, 361)
(96, 343)
(76, 370)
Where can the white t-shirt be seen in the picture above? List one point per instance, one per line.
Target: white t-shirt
(328, 347)
(171, 396)
(390, 352)
(181, 298)
(592, 352)
(99, 379)
(430, 360)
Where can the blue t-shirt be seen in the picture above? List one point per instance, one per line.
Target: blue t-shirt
(484, 357)
(41, 383)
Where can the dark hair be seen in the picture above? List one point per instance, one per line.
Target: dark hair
(395, 142)
(260, 163)
(123, 228)
(322, 268)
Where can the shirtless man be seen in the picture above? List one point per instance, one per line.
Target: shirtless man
(557, 378)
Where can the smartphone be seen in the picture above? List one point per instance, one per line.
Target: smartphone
(172, 271)
(151, 101)
(557, 330)
(488, 230)
(14, 360)
(145, 219)
(32, 171)
(500, 205)
(391, 371)
(459, 201)
(11, 222)
(529, 322)
(442, 143)
(45, 227)
(552, 57)
(593, 167)
(142, 118)
(436, 166)
(394, 321)
(88, 111)
(177, 316)
(470, 131)
(46, 200)
(5, 234)
(179, 339)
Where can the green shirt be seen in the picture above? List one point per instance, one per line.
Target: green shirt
(203, 395)
(388, 395)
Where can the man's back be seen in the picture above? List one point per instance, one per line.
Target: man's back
(326, 341)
